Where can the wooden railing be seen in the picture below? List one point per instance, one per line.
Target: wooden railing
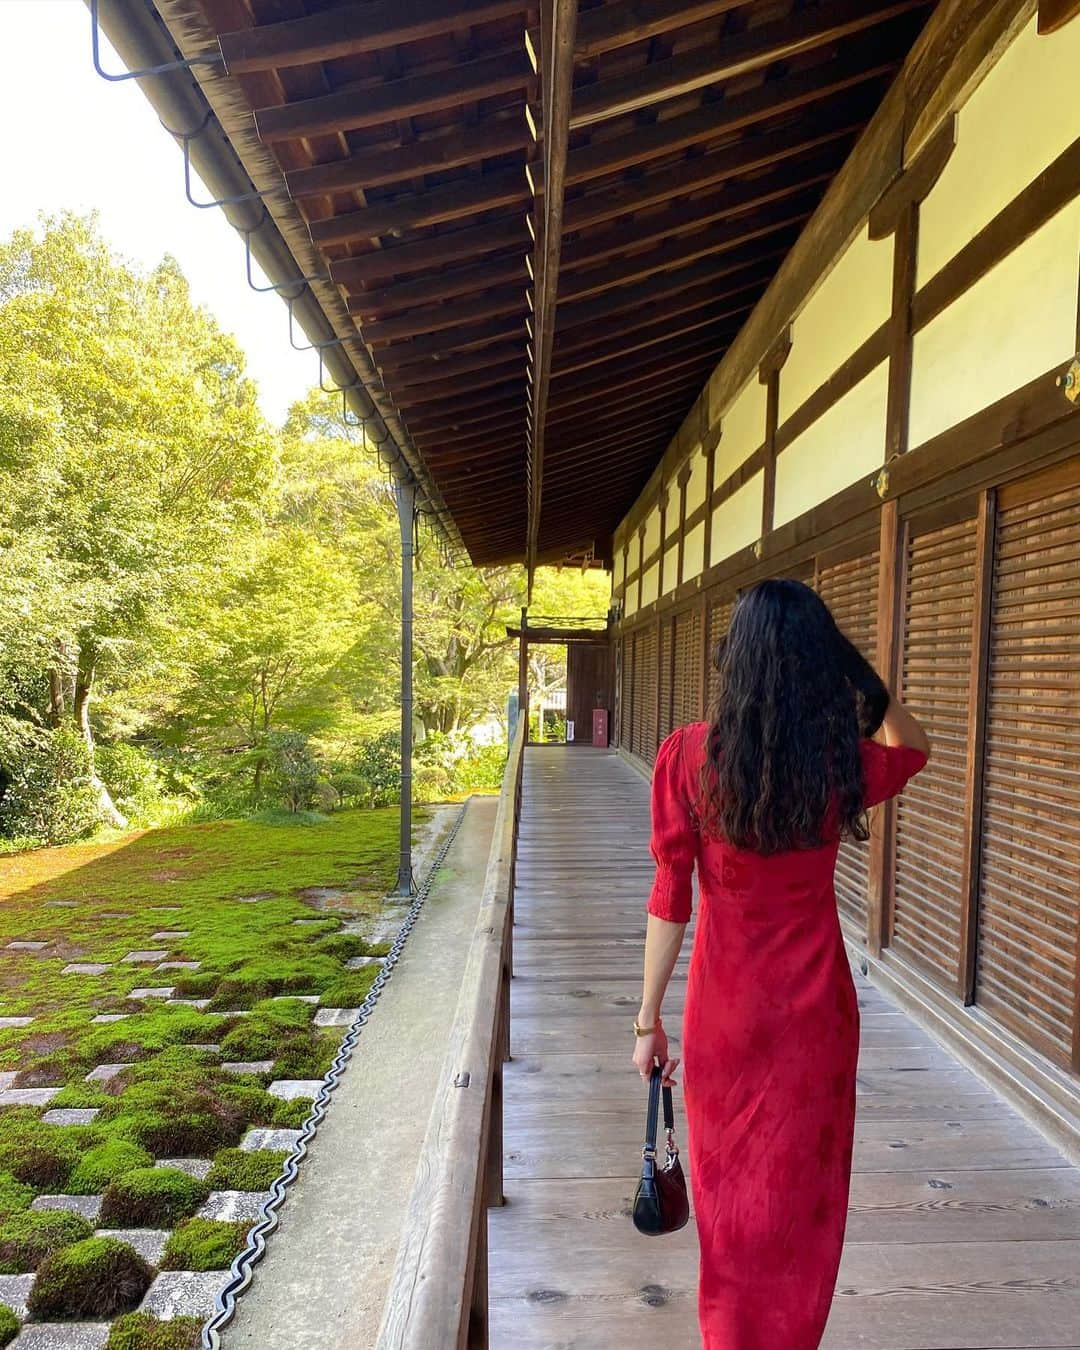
(437, 1298)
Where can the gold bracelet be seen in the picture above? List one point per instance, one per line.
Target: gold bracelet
(645, 1031)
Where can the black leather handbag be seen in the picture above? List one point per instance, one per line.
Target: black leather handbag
(660, 1201)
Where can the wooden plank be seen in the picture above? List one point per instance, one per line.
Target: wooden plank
(352, 109)
(738, 54)
(609, 27)
(393, 163)
(402, 259)
(1055, 14)
(351, 29)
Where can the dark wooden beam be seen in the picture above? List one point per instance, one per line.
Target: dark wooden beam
(559, 27)
(686, 287)
(349, 30)
(769, 374)
(738, 54)
(433, 371)
(1055, 14)
(435, 251)
(506, 187)
(446, 284)
(693, 175)
(351, 109)
(435, 318)
(612, 26)
(393, 163)
(462, 340)
(771, 99)
(915, 182)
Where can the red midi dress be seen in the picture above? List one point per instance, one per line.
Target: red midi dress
(769, 1049)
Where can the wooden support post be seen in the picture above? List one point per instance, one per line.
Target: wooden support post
(710, 482)
(889, 606)
(523, 675)
(976, 744)
(769, 375)
(897, 214)
(705, 658)
(683, 479)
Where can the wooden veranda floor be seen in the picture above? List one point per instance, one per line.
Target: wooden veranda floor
(964, 1227)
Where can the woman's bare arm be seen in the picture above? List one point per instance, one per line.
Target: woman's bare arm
(899, 727)
(663, 942)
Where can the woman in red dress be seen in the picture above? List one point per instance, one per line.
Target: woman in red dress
(758, 798)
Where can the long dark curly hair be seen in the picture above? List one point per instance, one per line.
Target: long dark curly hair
(794, 698)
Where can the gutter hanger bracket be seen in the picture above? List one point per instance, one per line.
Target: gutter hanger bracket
(209, 59)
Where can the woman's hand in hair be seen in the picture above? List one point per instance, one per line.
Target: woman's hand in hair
(870, 691)
(651, 1048)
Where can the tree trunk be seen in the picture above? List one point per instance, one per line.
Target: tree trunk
(56, 697)
(84, 684)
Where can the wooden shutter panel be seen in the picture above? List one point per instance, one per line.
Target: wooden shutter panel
(648, 661)
(638, 695)
(930, 830)
(1029, 891)
(719, 618)
(666, 674)
(688, 673)
(850, 590)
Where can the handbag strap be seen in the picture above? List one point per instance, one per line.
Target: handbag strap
(656, 1093)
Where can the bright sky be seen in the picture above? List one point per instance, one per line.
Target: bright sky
(70, 139)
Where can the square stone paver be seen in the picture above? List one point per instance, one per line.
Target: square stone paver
(272, 1139)
(297, 998)
(74, 1115)
(189, 1002)
(110, 1017)
(336, 1017)
(89, 1206)
(62, 1336)
(148, 1242)
(211, 1047)
(165, 909)
(325, 920)
(248, 1065)
(26, 946)
(7, 1078)
(184, 1293)
(104, 1072)
(291, 1088)
(40, 1096)
(15, 1021)
(15, 1290)
(153, 991)
(178, 965)
(236, 1012)
(233, 1206)
(254, 898)
(61, 904)
(359, 962)
(194, 1167)
(87, 968)
(156, 955)
(168, 934)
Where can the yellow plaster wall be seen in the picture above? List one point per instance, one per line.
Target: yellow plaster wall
(694, 552)
(695, 487)
(1015, 323)
(649, 585)
(1021, 117)
(671, 567)
(844, 444)
(737, 522)
(743, 430)
(652, 533)
(852, 302)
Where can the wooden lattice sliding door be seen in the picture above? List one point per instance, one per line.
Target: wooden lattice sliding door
(1029, 890)
(931, 814)
(849, 588)
(666, 675)
(719, 616)
(646, 673)
(688, 672)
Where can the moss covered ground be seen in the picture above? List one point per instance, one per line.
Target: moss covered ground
(212, 913)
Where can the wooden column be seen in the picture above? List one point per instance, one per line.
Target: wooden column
(683, 479)
(897, 214)
(662, 502)
(769, 375)
(710, 475)
(976, 744)
(523, 675)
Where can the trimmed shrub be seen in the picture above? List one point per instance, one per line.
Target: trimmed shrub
(104, 1163)
(26, 1239)
(45, 790)
(235, 1169)
(141, 1331)
(288, 1114)
(204, 1244)
(9, 1324)
(15, 1196)
(96, 1278)
(42, 1156)
(175, 1106)
(151, 1197)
